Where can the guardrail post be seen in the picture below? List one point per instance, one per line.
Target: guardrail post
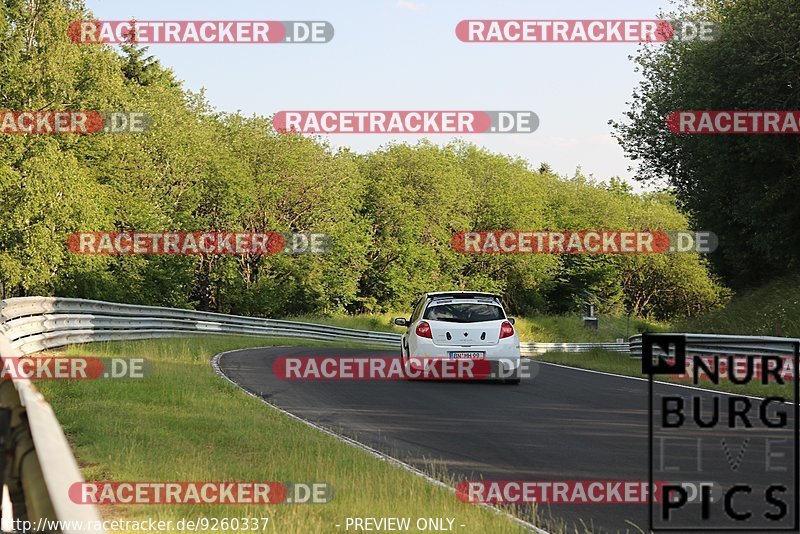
(16, 446)
(22, 473)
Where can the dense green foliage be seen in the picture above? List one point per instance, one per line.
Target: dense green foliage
(742, 187)
(771, 310)
(391, 212)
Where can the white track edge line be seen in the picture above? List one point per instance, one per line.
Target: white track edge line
(366, 448)
(655, 381)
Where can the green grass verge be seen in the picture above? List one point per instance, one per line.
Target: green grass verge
(623, 364)
(771, 310)
(183, 423)
(545, 328)
(570, 329)
(380, 322)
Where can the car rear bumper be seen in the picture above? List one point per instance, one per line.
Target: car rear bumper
(504, 357)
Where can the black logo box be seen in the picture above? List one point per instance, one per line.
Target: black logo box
(678, 366)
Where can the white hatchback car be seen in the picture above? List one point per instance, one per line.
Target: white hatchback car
(462, 325)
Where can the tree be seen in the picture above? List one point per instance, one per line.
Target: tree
(138, 67)
(390, 213)
(742, 187)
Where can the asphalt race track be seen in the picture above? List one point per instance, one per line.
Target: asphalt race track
(561, 424)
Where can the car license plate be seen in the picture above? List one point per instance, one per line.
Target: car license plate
(467, 355)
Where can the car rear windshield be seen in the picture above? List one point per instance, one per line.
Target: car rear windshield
(464, 312)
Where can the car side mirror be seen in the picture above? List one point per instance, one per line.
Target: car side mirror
(401, 321)
(510, 320)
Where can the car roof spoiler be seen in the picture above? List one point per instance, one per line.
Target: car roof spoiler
(462, 295)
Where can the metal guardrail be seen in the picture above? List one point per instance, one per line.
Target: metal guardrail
(726, 344)
(38, 323)
(529, 349)
(39, 483)
(39, 467)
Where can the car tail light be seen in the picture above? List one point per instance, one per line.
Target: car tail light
(506, 330)
(424, 330)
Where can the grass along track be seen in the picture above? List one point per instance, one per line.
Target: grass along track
(184, 423)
